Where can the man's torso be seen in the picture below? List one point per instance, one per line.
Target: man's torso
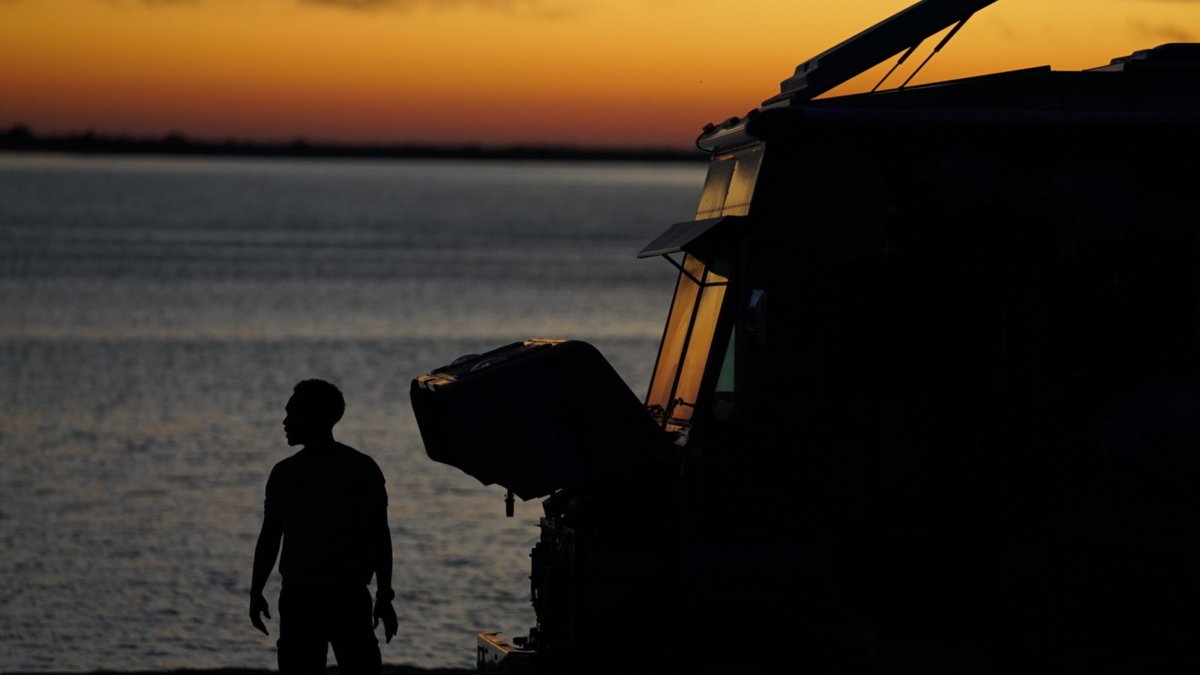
(329, 500)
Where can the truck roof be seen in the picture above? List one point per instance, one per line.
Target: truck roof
(1161, 84)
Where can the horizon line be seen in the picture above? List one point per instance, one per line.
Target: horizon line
(21, 138)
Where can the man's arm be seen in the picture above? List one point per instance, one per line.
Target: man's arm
(382, 561)
(265, 553)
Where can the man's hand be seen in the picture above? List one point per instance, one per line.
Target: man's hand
(258, 605)
(383, 610)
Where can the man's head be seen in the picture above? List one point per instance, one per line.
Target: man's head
(315, 406)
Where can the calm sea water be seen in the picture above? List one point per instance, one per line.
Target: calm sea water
(154, 315)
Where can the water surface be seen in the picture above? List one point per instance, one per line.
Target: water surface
(155, 315)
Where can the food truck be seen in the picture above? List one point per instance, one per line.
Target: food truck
(927, 398)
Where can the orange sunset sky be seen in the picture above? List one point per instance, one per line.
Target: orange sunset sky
(582, 72)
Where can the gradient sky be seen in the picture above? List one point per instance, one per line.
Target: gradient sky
(584, 72)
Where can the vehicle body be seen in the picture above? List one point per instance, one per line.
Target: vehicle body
(927, 400)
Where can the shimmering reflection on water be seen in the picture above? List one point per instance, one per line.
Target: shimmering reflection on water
(157, 314)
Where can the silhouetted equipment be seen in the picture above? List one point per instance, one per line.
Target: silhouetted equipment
(534, 416)
(932, 376)
(903, 32)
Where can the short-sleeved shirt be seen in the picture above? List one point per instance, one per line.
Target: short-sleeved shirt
(330, 501)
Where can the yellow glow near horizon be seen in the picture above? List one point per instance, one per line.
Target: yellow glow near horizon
(627, 72)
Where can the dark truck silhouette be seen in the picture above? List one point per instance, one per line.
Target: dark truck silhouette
(927, 399)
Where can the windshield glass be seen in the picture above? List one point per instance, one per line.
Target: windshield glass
(686, 343)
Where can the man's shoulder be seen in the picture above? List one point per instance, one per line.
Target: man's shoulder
(287, 465)
(286, 462)
(356, 455)
(360, 459)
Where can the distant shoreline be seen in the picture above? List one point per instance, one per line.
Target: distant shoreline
(329, 670)
(22, 139)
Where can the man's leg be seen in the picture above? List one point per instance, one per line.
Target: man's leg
(353, 633)
(302, 640)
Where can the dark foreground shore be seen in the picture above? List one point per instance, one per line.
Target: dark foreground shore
(332, 670)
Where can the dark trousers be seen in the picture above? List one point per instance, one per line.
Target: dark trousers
(311, 619)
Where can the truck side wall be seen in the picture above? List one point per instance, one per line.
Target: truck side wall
(969, 430)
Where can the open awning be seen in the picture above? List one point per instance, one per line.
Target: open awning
(678, 236)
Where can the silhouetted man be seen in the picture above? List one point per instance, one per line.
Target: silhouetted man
(328, 505)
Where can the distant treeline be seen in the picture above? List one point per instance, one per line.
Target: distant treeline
(21, 138)
(330, 670)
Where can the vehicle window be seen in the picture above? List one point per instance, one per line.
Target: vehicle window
(686, 343)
